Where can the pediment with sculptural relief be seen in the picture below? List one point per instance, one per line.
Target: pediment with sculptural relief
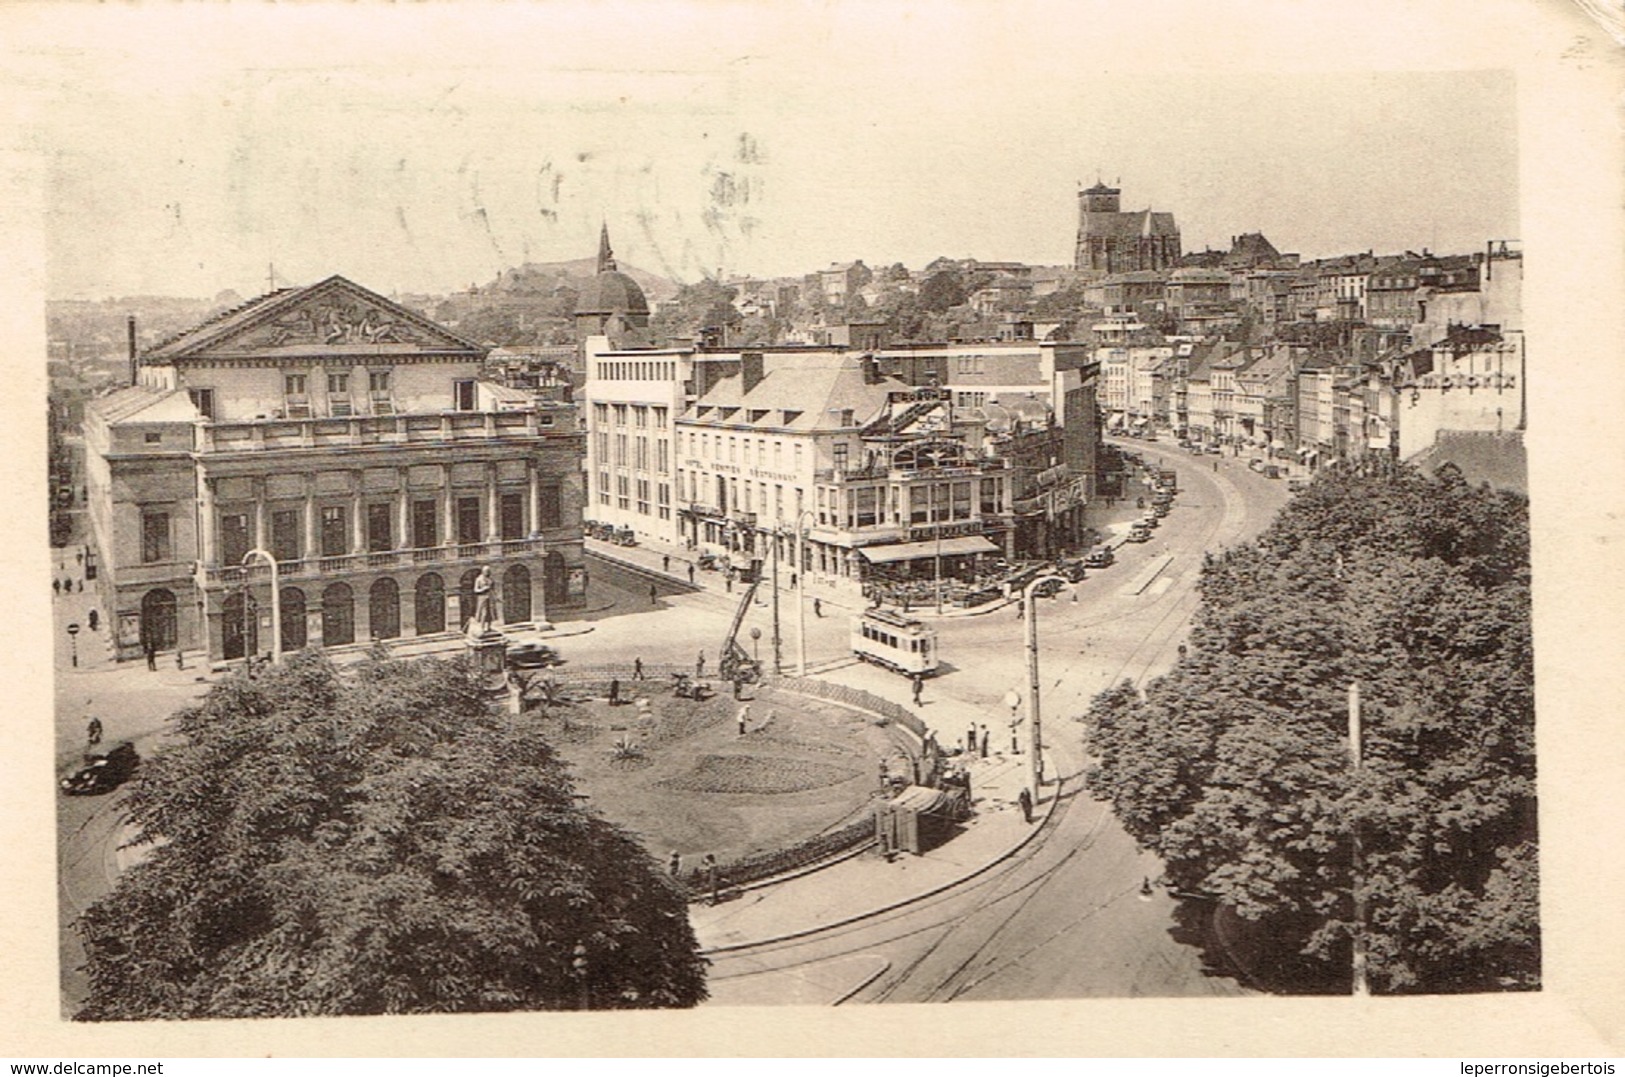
(333, 317)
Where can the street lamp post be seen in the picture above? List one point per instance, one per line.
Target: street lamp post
(276, 603)
(800, 576)
(1035, 761)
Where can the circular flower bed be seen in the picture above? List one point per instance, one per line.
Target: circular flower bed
(758, 774)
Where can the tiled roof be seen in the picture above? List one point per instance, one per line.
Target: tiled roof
(137, 403)
(1498, 459)
(814, 390)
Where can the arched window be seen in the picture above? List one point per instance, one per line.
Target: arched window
(384, 609)
(515, 594)
(158, 626)
(338, 615)
(430, 604)
(293, 619)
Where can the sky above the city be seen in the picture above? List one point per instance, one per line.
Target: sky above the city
(183, 151)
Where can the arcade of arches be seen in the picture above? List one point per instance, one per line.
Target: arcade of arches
(342, 613)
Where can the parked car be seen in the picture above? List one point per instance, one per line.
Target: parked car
(1138, 533)
(532, 655)
(1046, 588)
(103, 773)
(1149, 521)
(1071, 570)
(1100, 559)
(1160, 509)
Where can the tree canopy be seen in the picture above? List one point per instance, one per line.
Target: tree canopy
(381, 841)
(1234, 768)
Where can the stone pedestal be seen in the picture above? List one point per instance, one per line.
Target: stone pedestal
(489, 651)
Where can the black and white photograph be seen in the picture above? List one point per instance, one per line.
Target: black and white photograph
(782, 512)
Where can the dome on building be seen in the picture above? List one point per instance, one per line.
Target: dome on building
(610, 291)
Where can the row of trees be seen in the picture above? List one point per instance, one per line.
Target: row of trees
(1234, 768)
(378, 842)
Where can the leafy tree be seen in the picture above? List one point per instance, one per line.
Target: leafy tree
(703, 305)
(942, 290)
(380, 842)
(1234, 767)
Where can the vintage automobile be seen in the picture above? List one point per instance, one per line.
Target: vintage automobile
(103, 773)
(532, 655)
(1137, 533)
(1099, 559)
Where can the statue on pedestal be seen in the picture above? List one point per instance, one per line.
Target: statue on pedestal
(484, 606)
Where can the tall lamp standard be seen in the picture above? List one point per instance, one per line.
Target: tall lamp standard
(276, 603)
(1035, 762)
(800, 576)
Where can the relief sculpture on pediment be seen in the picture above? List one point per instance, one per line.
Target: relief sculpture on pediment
(335, 321)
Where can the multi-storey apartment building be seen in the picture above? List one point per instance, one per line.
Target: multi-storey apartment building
(875, 472)
(633, 398)
(353, 442)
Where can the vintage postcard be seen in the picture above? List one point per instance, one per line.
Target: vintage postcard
(751, 516)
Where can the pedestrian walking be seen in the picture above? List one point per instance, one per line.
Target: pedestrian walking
(730, 581)
(970, 740)
(637, 669)
(919, 683)
(675, 863)
(699, 665)
(713, 877)
(654, 597)
(93, 731)
(78, 557)
(665, 562)
(151, 650)
(79, 585)
(818, 607)
(984, 740)
(614, 692)
(743, 717)
(691, 575)
(67, 585)
(94, 618)
(180, 658)
(1026, 800)
(739, 688)
(56, 585)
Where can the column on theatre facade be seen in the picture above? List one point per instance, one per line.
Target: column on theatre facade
(312, 548)
(450, 503)
(358, 528)
(493, 502)
(403, 509)
(533, 517)
(206, 518)
(259, 513)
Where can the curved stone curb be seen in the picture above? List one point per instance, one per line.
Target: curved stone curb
(1032, 832)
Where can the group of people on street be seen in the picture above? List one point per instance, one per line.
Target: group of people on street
(976, 740)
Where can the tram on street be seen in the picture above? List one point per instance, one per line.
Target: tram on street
(894, 641)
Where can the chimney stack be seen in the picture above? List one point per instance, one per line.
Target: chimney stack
(129, 325)
(750, 371)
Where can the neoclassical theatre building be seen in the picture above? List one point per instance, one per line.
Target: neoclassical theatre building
(359, 445)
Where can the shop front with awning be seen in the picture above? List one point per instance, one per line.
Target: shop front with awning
(958, 546)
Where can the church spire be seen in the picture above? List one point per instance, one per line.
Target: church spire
(606, 257)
